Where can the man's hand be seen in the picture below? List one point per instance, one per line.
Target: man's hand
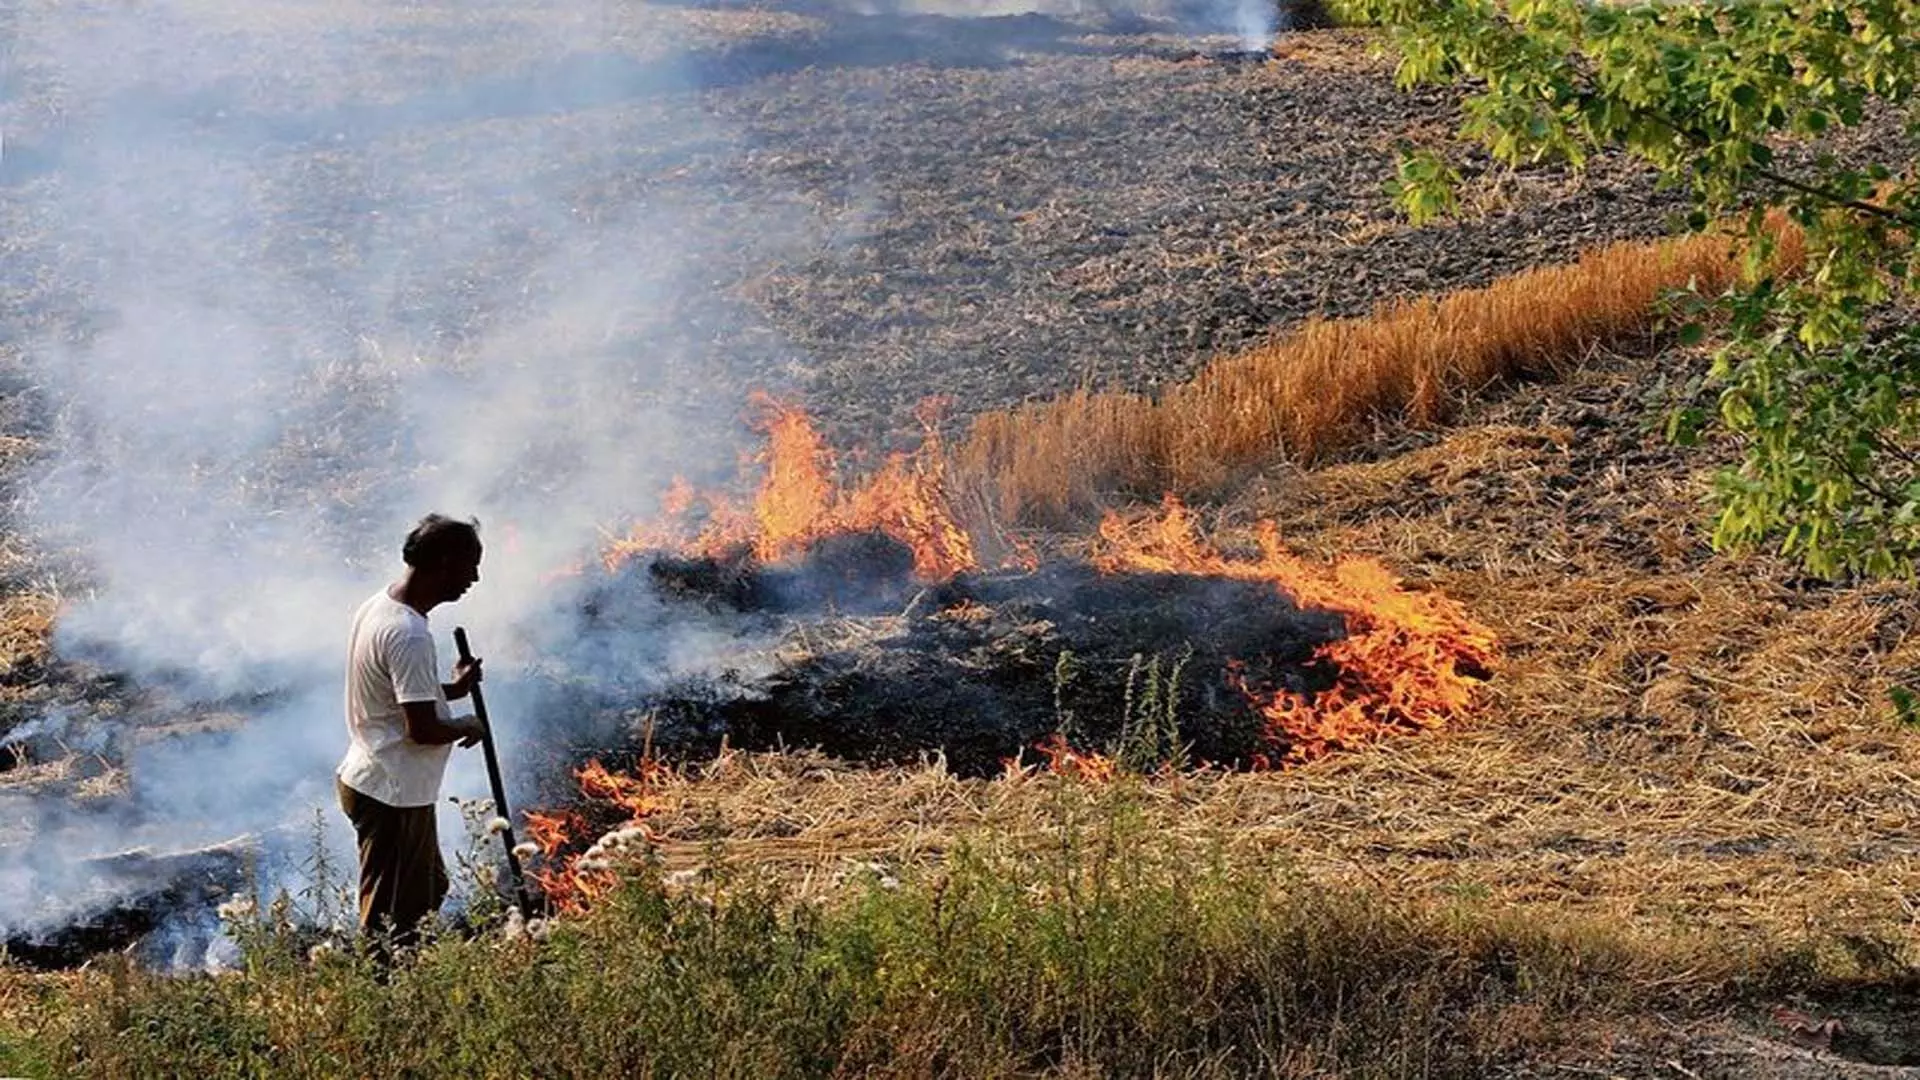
(466, 675)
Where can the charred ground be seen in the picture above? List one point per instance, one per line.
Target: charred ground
(873, 667)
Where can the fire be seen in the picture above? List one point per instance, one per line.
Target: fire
(632, 792)
(572, 881)
(1410, 661)
(800, 501)
(1064, 760)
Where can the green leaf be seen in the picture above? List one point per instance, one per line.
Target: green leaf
(1710, 95)
(1906, 706)
(1424, 186)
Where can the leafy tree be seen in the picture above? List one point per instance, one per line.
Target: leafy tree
(1738, 101)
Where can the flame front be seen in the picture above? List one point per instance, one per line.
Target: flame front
(1410, 661)
(799, 501)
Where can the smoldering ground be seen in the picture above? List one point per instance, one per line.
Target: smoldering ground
(280, 276)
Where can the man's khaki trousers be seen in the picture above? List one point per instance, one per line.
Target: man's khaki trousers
(402, 877)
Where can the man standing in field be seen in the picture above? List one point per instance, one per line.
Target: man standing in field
(401, 730)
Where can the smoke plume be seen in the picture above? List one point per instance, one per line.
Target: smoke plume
(298, 273)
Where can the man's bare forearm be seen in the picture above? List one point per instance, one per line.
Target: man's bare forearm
(425, 727)
(439, 735)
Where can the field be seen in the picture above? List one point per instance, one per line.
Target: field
(1670, 836)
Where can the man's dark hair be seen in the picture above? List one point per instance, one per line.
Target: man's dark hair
(438, 537)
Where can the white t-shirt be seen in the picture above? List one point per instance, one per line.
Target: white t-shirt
(391, 661)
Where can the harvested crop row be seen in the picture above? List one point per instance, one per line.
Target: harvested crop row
(1316, 389)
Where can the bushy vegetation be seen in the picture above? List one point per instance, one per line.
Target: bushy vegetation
(1115, 954)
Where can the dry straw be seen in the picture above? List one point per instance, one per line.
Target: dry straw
(1318, 388)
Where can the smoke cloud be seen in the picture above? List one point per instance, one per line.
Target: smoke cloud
(304, 271)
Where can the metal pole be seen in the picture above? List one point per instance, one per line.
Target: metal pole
(493, 777)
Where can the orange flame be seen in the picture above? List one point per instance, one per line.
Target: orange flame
(573, 880)
(796, 498)
(799, 501)
(1410, 661)
(550, 831)
(553, 874)
(1064, 760)
(632, 792)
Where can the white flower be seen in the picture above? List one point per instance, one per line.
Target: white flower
(236, 909)
(605, 850)
(498, 825)
(538, 929)
(321, 952)
(525, 849)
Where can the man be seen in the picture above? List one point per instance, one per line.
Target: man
(401, 730)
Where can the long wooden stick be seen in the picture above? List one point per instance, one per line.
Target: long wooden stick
(493, 777)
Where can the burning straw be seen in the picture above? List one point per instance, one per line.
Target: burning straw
(1410, 660)
(1407, 661)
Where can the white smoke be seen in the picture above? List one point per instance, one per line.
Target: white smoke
(1252, 22)
(305, 318)
(334, 265)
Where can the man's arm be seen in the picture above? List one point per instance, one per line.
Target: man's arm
(425, 727)
(417, 687)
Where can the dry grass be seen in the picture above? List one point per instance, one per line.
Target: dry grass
(1322, 386)
(26, 627)
(1333, 50)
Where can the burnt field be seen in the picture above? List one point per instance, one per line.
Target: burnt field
(277, 280)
